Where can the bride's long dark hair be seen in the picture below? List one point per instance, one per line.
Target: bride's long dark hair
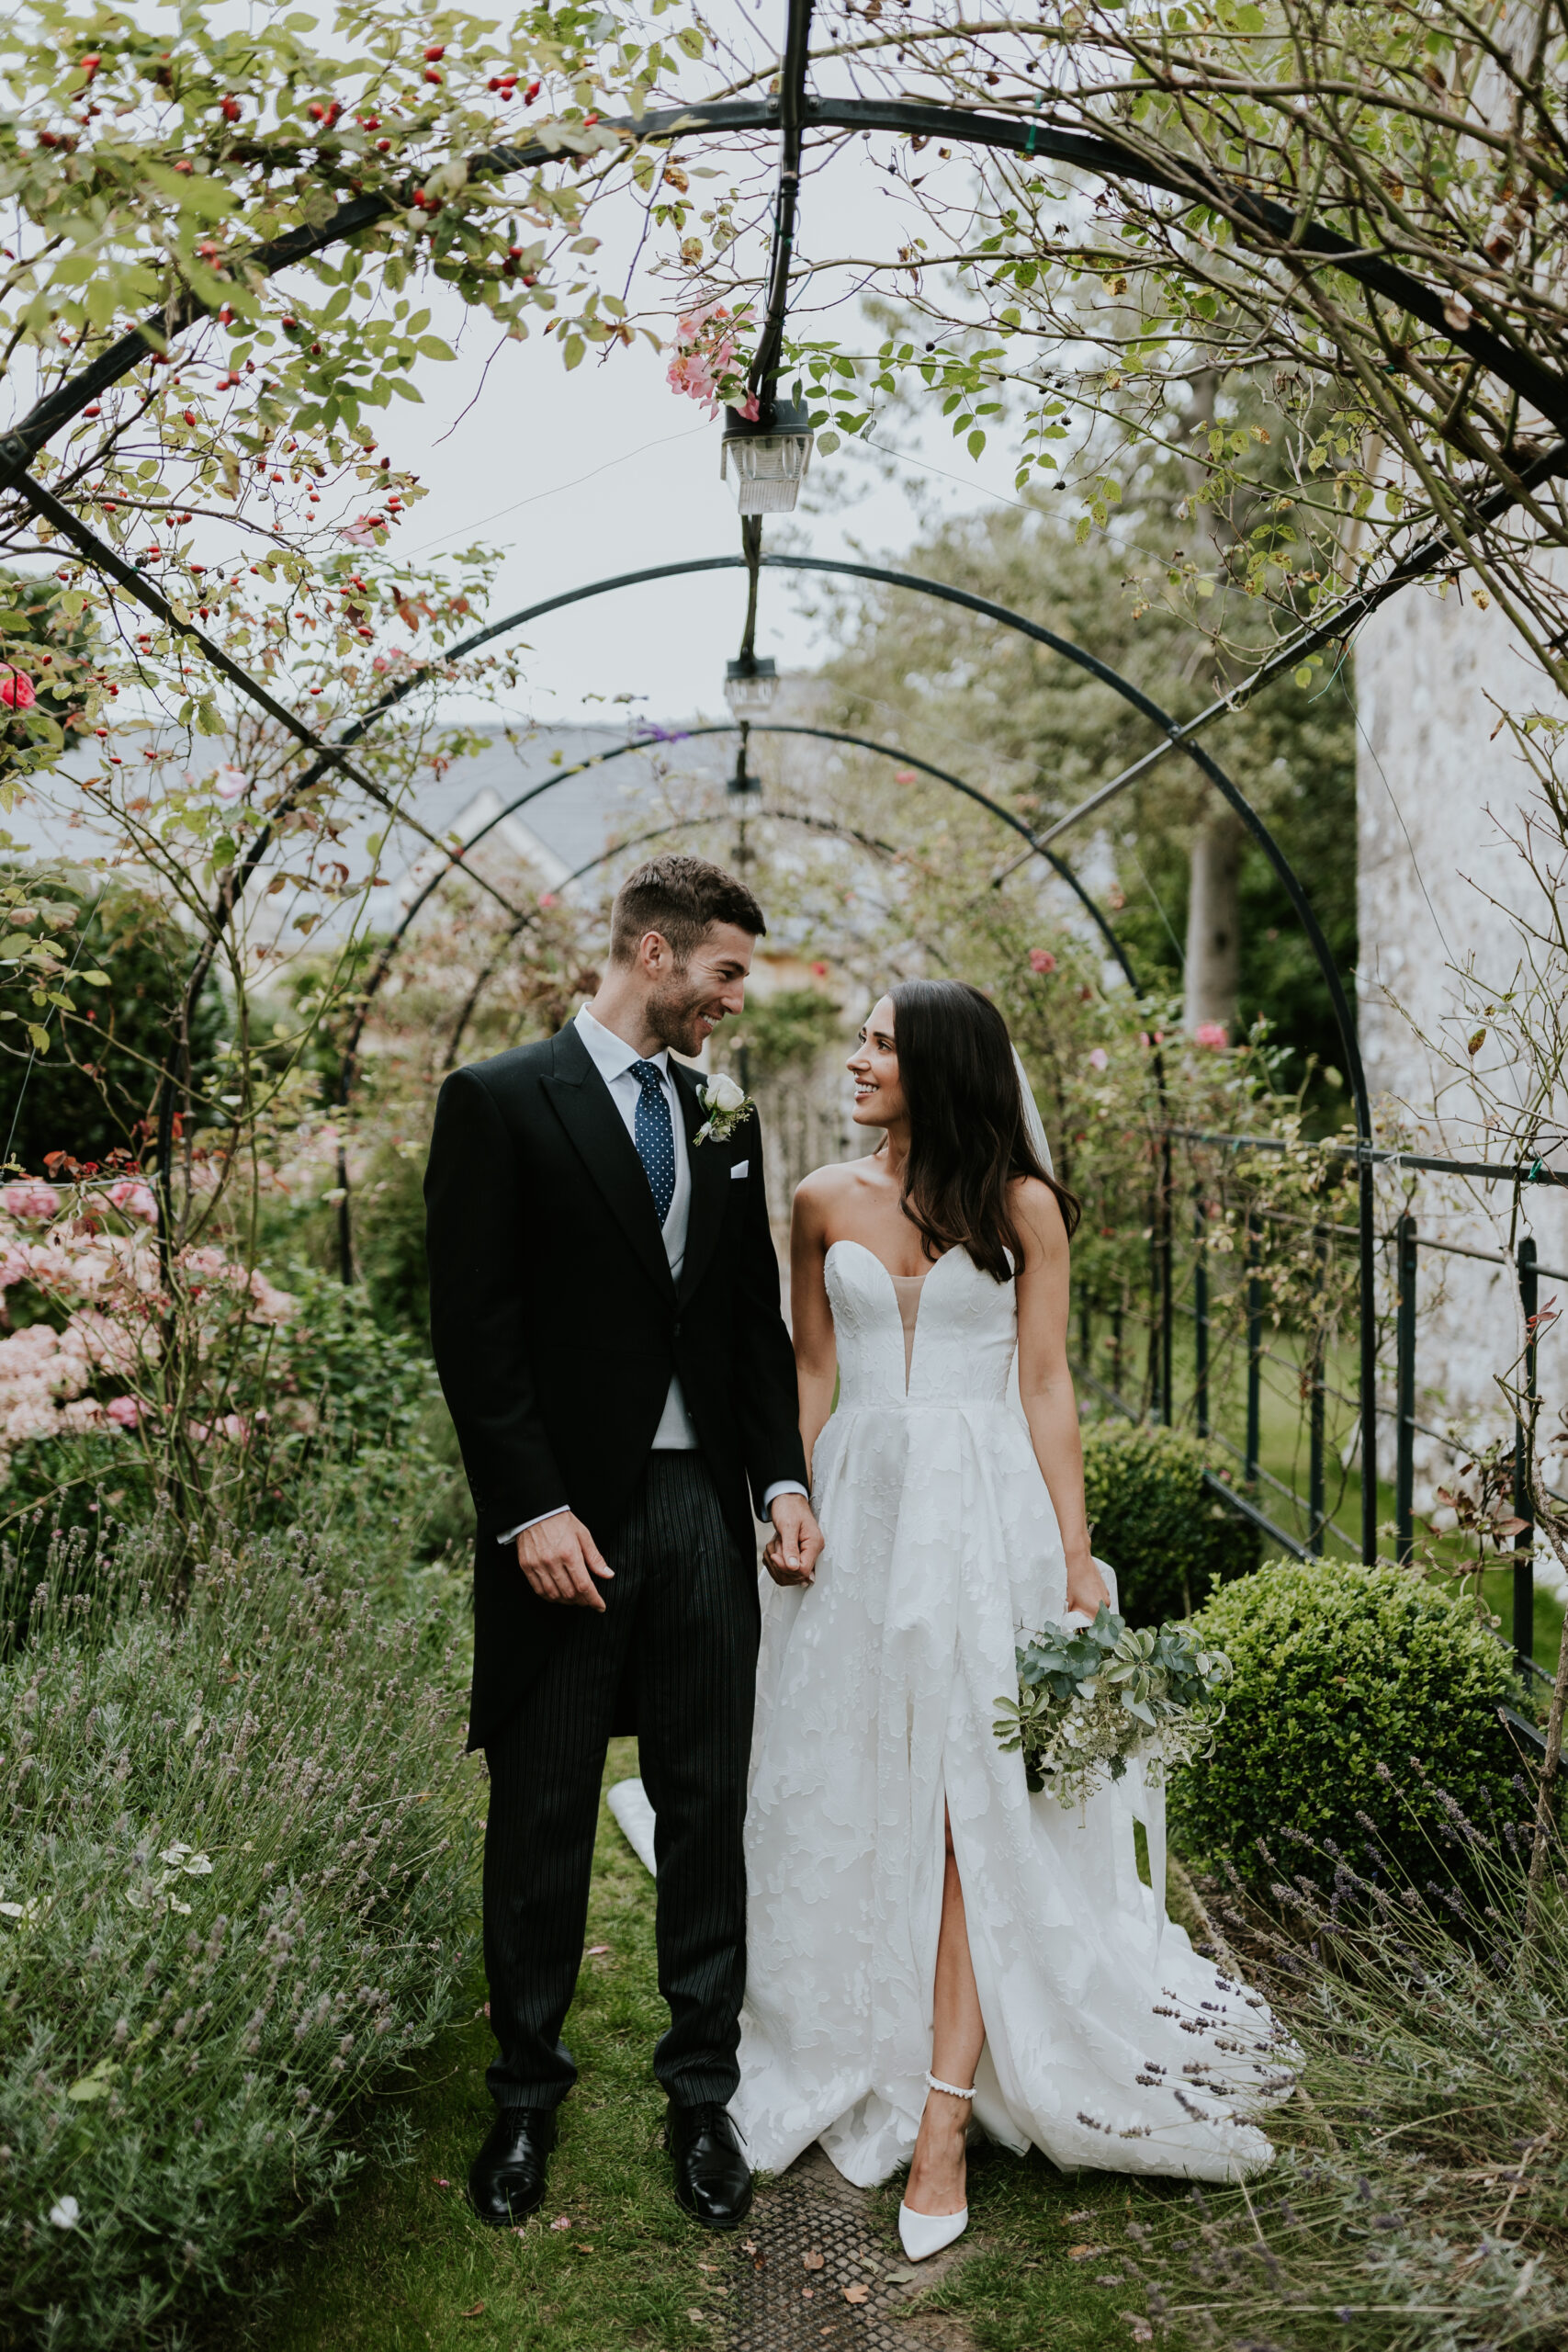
(967, 1135)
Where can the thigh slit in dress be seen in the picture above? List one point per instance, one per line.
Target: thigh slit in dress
(876, 1695)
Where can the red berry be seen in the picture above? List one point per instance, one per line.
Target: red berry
(190, 416)
(230, 109)
(435, 53)
(382, 145)
(90, 65)
(92, 409)
(430, 74)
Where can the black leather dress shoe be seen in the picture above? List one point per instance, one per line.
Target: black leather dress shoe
(506, 2179)
(713, 2179)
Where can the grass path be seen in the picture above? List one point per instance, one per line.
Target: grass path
(404, 2268)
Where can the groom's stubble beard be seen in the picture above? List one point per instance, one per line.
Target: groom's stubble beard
(675, 1013)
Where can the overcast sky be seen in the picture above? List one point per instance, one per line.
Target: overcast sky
(607, 471)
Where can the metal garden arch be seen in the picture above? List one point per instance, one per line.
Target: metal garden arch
(791, 111)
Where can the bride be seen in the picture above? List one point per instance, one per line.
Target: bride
(927, 1941)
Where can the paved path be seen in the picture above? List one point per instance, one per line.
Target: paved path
(819, 2268)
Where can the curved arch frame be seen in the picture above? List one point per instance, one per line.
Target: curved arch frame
(457, 858)
(348, 1067)
(1268, 223)
(1208, 767)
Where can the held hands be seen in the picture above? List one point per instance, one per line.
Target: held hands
(791, 1550)
(560, 1559)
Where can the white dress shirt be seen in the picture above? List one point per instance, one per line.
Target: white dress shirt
(613, 1058)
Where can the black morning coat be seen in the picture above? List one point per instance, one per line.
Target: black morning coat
(556, 1325)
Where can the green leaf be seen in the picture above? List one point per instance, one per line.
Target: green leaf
(39, 1037)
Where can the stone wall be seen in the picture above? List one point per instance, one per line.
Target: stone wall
(1437, 789)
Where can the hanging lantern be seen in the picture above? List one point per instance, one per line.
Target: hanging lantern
(750, 686)
(766, 460)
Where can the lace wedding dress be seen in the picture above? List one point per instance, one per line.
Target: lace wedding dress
(1108, 2042)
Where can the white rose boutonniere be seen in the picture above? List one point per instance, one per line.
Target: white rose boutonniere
(728, 1107)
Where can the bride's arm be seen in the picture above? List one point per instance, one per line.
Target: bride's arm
(1045, 1383)
(811, 1317)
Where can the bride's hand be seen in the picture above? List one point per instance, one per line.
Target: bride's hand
(790, 1552)
(1086, 1587)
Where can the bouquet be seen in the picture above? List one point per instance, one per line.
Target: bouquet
(1093, 1699)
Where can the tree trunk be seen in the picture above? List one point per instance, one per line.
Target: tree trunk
(1213, 905)
(1213, 925)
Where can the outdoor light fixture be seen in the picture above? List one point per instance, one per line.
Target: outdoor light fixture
(766, 460)
(750, 686)
(742, 781)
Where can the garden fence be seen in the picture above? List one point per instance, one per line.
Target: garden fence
(1236, 1321)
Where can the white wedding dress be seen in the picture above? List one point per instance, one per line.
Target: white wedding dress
(1108, 2042)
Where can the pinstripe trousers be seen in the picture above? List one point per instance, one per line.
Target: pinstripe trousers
(681, 1618)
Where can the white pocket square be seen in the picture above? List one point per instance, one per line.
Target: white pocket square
(740, 1168)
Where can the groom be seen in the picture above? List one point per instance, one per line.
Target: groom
(604, 1309)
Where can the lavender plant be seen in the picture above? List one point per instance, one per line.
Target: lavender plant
(232, 1877)
(1417, 2204)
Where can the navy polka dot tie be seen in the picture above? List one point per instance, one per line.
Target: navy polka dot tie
(655, 1135)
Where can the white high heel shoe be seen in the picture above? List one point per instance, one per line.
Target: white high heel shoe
(923, 2234)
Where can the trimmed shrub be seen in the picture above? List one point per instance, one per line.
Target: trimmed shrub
(233, 1852)
(1167, 1535)
(1340, 1670)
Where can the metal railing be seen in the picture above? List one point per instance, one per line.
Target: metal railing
(1106, 1355)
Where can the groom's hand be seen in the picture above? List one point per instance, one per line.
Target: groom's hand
(560, 1560)
(792, 1552)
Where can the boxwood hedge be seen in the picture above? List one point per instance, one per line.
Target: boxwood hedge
(1167, 1535)
(1340, 1669)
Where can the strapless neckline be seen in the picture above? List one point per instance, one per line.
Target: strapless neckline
(907, 1290)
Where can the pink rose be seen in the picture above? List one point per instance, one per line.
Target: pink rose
(124, 1411)
(1100, 1059)
(1210, 1034)
(1042, 960)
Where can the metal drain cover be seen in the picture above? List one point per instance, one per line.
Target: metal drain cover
(807, 2238)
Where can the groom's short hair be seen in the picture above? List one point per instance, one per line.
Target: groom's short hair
(681, 898)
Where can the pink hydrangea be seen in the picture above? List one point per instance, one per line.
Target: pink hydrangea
(124, 1411)
(133, 1198)
(1210, 1034)
(30, 1200)
(1042, 960)
(272, 1306)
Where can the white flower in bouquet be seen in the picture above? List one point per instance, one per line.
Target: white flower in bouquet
(1094, 1699)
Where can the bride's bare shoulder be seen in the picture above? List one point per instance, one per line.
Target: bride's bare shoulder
(826, 1188)
(1036, 1207)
